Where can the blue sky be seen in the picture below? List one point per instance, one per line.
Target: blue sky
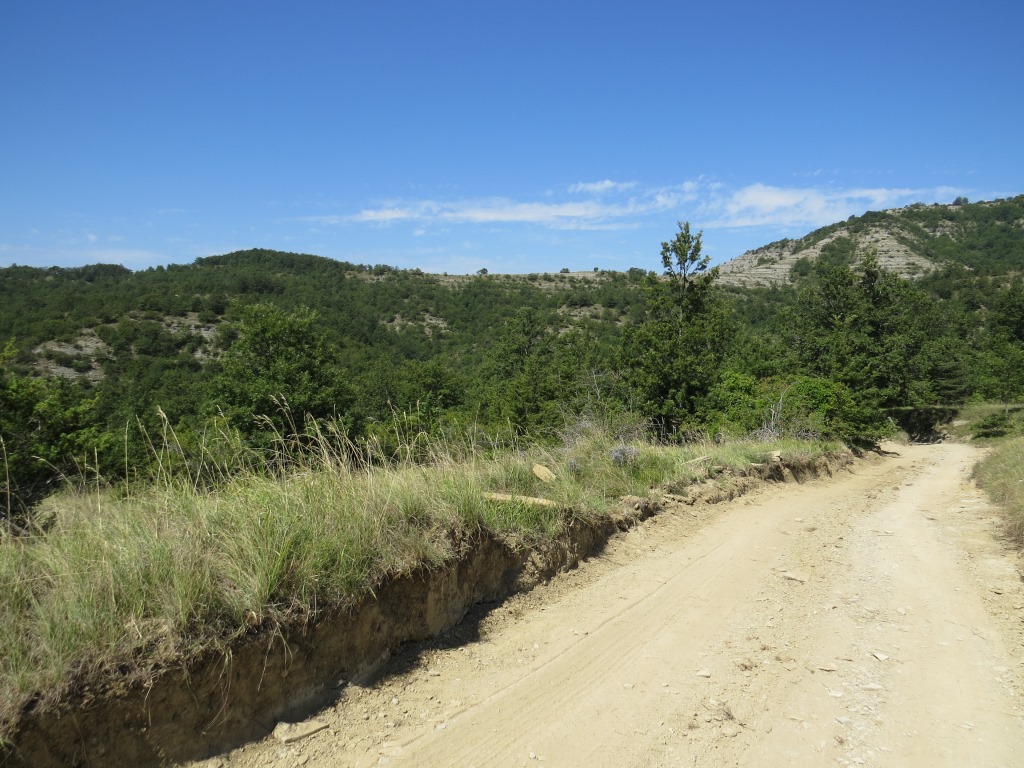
(519, 137)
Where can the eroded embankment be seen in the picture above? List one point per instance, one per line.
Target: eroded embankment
(220, 700)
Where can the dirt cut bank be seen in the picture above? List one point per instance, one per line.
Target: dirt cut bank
(220, 701)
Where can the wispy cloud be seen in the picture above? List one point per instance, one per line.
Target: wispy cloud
(600, 187)
(592, 213)
(759, 205)
(611, 205)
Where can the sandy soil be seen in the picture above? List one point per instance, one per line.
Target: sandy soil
(871, 619)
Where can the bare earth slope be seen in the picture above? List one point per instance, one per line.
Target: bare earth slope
(771, 264)
(871, 619)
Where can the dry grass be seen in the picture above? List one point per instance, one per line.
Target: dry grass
(986, 421)
(1001, 474)
(225, 541)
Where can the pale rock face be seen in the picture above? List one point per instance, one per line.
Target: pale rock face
(887, 239)
(771, 264)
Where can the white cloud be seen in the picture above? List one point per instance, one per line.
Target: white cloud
(610, 205)
(607, 211)
(600, 187)
(758, 205)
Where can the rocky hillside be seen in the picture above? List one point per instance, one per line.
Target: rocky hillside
(985, 237)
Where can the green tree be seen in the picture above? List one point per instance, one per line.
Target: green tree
(736, 404)
(874, 333)
(672, 358)
(45, 427)
(853, 328)
(514, 385)
(282, 369)
(810, 407)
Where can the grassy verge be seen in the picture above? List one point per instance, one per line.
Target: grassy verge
(987, 421)
(1001, 474)
(124, 578)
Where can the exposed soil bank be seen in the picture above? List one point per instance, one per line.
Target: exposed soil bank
(221, 700)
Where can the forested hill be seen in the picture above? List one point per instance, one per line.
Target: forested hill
(380, 305)
(984, 238)
(99, 361)
(150, 331)
(111, 350)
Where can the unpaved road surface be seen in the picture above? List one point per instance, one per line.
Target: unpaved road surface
(874, 619)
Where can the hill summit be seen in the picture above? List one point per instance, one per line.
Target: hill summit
(984, 237)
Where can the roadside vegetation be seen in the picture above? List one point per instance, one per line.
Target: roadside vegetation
(1001, 472)
(122, 578)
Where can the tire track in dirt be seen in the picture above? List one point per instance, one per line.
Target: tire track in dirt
(925, 674)
(871, 619)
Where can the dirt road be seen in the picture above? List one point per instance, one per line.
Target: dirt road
(871, 619)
